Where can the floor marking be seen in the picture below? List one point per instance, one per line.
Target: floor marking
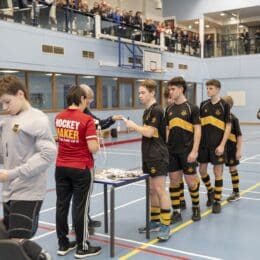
(181, 226)
(160, 247)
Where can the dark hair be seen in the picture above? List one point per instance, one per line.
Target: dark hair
(74, 95)
(10, 85)
(178, 82)
(150, 85)
(213, 82)
(166, 93)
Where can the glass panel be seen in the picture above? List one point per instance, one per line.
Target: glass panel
(91, 82)
(63, 83)
(126, 94)
(190, 92)
(110, 92)
(40, 85)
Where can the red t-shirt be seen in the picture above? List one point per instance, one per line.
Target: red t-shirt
(74, 129)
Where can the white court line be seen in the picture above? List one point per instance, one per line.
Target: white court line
(250, 162)
(249, 158)
(160, 247)
(92, 196)
(43, 235)
(130, 241)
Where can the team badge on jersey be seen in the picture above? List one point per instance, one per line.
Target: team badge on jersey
(190, 170)
(218, 112)
(153, 170)
(184, 113)
(170, 113)
(231, 161)
(220, 159)
(205, 110)
(153, 119)
(15, 128)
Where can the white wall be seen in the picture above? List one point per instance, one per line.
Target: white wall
(192, 9)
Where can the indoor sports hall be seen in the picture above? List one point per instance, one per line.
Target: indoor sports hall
(114, 46)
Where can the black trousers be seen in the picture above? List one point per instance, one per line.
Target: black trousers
(71, 182)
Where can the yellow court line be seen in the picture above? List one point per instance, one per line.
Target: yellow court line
(179, 227)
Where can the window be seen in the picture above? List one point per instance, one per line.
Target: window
(110, 92)
(125, 93)
(40, 85)
(63, 83)
(91, 82)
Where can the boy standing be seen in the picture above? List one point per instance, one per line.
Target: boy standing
(155, 158)
(233, 151)
(27, 149)
(184, 133)
(216, 126)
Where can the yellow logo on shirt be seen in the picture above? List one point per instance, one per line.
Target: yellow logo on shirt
(218, 112)
(16, 128)
(184, 113)
(220, 159)
(153, 119)
(153, 170)
(190, 169)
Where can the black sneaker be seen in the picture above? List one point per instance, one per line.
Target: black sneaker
(216, 208)
(91, 251)
(210, 198)
(183, 204)
(234, 196)
(196, 214)
(65, 249)
(175, 217)
(94, 223)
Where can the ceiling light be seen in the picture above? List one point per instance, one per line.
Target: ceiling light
(140, 80)
(196, 22)
(114, 78)
(241, 26)
(9, 71)
(222, 14)
(50, 74)
(207, 26)
(88, 77)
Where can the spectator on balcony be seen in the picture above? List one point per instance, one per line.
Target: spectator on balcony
(208, 46)
(95, 9)
(246, 41)
(184, 41)
(149, 31)
(168, 36)
(138, 22)
(257, 41)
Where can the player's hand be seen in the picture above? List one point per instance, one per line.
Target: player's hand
(117, 117)
(238, 155)
(129, 123)
(3, 176)
(219, 150)
(192, 157)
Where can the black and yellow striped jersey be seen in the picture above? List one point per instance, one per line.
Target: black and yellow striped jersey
(180, 120)
(214, 118)
(154, 149)
(235, 132)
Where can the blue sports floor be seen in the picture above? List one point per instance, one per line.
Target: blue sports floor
(233, 234)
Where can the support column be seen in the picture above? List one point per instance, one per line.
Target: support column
(202, 35)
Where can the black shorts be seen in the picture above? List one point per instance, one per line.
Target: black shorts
(207, 155)
(178, 162)
(230, 157)
(156, 168)
(21, 218)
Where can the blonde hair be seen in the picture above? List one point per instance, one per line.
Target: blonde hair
(229, 100)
